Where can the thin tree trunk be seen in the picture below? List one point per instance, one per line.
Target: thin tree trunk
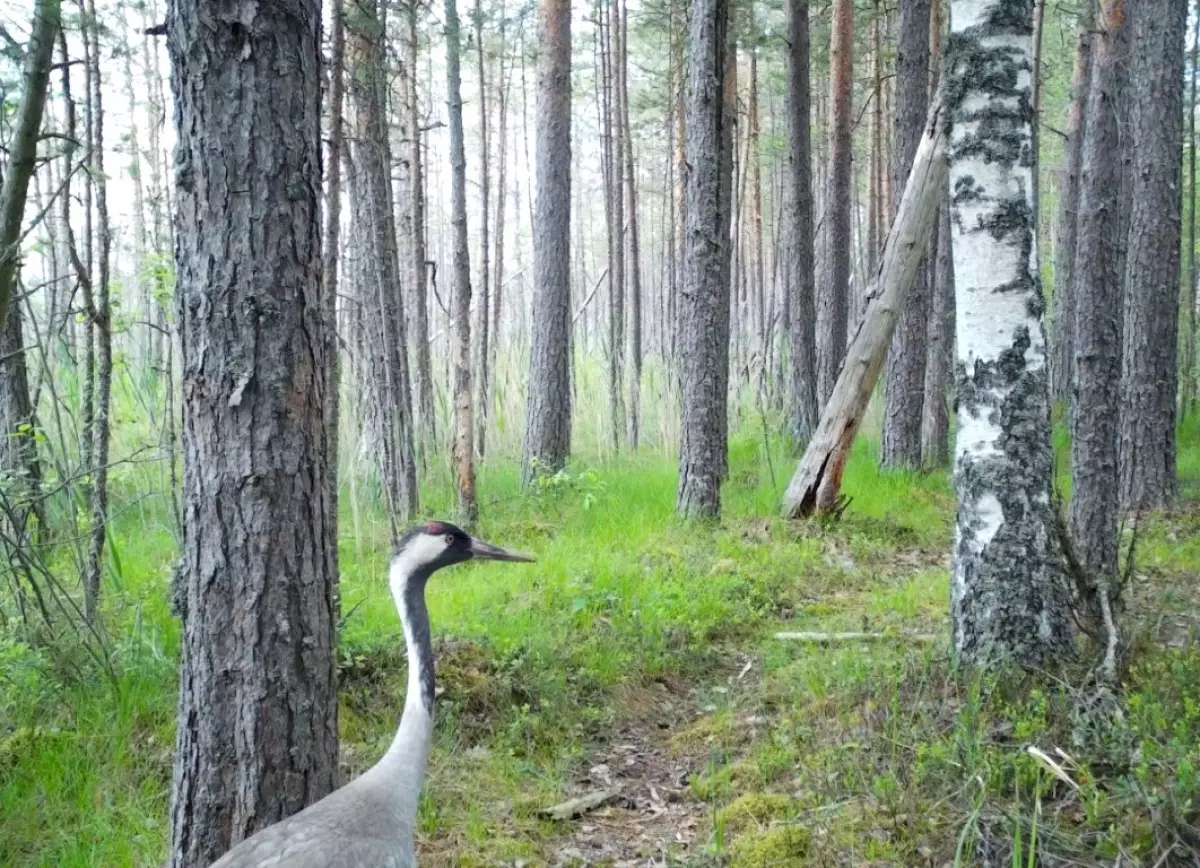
(802, 315)
(380, 292)
(939, 362)
(1149, 376)
(833, 290)
(332, 242)
(875, 224)
(501, 196)
(485, 265)
(616, 67)
(145, 299)
(1063, 349)
(100, 313)
(427, 415)
(635, 276)
(1188, 358)
(464, 449)
(257, 736)
(1008, 602)
(1039, 26)
(758, 301)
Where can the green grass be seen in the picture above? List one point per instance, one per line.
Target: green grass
(861, 755)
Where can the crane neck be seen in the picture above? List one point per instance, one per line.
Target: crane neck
(403, 766)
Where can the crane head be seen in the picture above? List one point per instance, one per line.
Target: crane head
(438, 544)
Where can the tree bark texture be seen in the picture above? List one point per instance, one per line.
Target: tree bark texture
(548, 423)
(802, 318)
(99, 306)
(616, 312)
(257, 733)
(1149, 376)
(1062, 359)
(23, 147)
(1187, 362)
(464, 447)
(384, 362)
(634, 330)
(20, 469)
(904, 375)
(834, 289)
(815, 483)
(426, 415)
(704, 305)
(939, 363)
(1099, 276)
(483, 329)
(1007, 596)
(331, 250)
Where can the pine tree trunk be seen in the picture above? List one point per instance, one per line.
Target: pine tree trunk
(332, 241)
(1149, 376)
(501, 196)
(464, 447)
(802, 315)
(419, 270)
(100, 314)
(257, 735)
(833, 291)
(875, 227)
(634, 330)
(704, 305)
(1063, 347)
(939, 363)
(616, 67)
(548, 424)
(904, 375)
(1099, 278)
(1187, 393)
(374, 232)
(485, 181)
(1007, 598)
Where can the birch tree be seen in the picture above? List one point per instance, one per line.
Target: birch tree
(1007, 599)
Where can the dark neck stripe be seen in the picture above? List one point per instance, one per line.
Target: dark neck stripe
(417, 616)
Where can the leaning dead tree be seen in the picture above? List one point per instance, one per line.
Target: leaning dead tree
(814, 486)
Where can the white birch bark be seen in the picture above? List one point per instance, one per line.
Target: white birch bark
(1007, 594)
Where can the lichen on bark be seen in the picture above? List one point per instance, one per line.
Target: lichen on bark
(1008, 597)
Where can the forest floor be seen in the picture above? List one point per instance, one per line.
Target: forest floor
(638, 658)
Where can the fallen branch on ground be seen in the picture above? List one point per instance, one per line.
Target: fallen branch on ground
(854, 637)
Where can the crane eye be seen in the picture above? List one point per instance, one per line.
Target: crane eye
(449, 539)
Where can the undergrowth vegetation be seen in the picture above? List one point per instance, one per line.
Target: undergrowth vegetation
(798, 753)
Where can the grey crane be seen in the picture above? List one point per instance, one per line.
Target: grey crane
(369, 822)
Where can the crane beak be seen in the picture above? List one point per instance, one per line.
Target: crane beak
(488, 552)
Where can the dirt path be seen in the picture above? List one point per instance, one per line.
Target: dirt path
(655, 821)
